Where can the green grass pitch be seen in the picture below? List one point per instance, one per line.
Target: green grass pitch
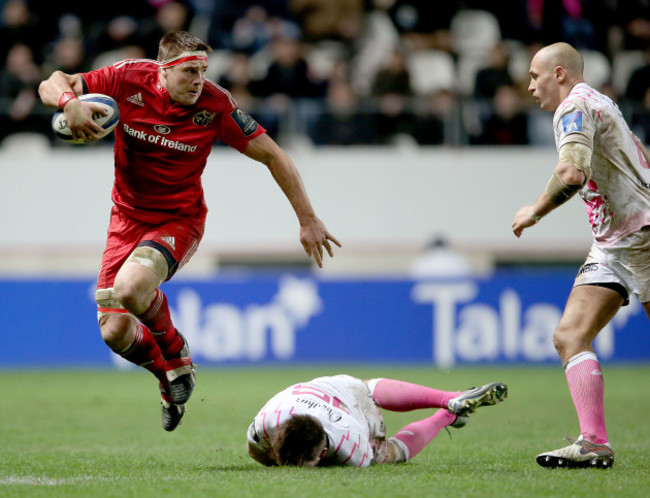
(96, 433)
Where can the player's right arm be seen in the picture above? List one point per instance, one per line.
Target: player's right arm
(258, 449)
(570, 174)
(265, 457)
(51, 89)
(60, 91)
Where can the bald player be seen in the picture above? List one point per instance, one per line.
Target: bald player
(602, 160)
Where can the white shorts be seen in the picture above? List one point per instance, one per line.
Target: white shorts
(624, 267)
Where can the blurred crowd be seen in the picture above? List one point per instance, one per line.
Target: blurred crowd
(345, 72)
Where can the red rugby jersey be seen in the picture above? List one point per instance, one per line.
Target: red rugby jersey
(161, 147)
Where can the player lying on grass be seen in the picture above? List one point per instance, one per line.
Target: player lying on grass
(336, 421)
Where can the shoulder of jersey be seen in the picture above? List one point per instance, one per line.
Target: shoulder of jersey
(216, 91)
(136, 64)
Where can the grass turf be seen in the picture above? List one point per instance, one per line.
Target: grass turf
(97, 433)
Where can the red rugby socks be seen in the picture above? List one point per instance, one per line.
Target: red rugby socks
(158, 319)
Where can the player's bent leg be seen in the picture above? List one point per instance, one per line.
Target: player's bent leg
(468, 401)
(118, 331)
(589, 308)
(135, 287)
(400, 396)
(414, 437)
(170, 412)
(181, 374)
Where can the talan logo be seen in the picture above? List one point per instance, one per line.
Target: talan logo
(203, 118)
(162, 129)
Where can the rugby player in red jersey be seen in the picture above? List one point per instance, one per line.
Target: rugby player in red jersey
(170, 118)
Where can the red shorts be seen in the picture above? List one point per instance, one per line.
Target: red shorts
(176, 240)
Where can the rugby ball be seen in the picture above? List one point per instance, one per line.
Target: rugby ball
(108, 122)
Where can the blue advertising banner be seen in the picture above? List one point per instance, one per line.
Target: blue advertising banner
(253, 319)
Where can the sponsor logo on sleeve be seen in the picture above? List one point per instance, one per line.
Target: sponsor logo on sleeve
(246, 124)
(572, 122)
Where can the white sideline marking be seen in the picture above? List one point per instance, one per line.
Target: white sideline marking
(47, 481)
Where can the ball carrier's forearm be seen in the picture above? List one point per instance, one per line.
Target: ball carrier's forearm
(52, 89)
(285, 174)
(313, 234)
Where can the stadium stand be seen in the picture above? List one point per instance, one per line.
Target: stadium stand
(445, 48)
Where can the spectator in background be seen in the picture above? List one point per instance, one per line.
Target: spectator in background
(68, 55)
(633, 21)
(320, 20)
(19, 80)
(118, 40)
(287, 85)
(514, 20)
(343, 121)
(169, 16)
(640, 122)
(394, 77)
(392, 90)
(256, 29)
(238, 78)
(288, 73)
(639, 82)
(430, 114)
(421, 24)
(495, 75)
(582, 23)
(507, 124)
(19, 25)
(224, 14)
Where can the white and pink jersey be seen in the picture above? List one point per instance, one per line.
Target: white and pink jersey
(617, 196)
(343, 405)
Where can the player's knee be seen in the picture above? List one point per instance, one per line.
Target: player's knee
(567, 339)
(128, 292)
(115, 330)
(559, 339)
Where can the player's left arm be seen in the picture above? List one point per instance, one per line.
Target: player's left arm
(313, 233)
(572, 171)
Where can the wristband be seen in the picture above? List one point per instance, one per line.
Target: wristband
(533, 217)
(65, 98)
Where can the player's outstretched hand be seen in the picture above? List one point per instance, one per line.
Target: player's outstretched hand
(522, 220)
(313, 237)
